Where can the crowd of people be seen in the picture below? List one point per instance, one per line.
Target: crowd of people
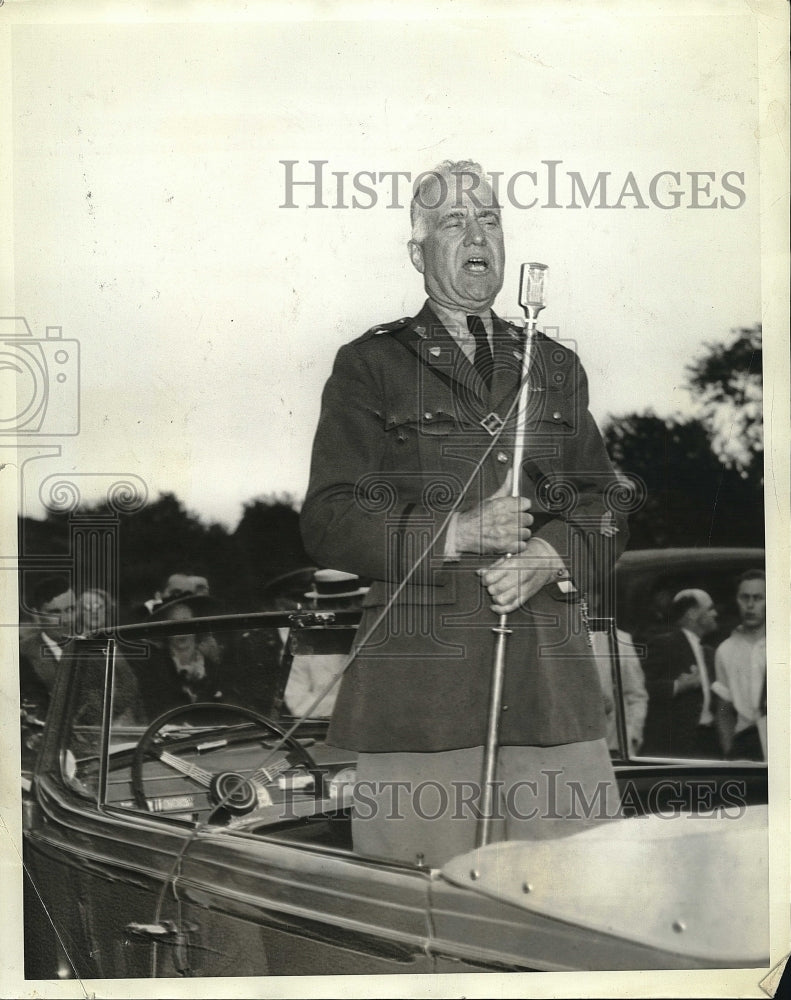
(682, 697)
(686, 698)
(186, 668)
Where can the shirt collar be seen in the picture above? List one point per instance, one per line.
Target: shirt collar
(748, 636)
(57, 651)
(455, 321)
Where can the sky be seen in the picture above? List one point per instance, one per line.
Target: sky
(148, 221)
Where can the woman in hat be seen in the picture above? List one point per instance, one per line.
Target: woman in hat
(186, 668)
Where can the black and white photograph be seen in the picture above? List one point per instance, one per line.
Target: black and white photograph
(395, 543)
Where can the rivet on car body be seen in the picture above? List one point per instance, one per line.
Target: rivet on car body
(679, 926)
(475, 874)
(527, 887)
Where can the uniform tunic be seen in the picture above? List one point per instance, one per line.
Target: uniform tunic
(399, 440)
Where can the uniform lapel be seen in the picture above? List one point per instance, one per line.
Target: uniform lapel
(427, 337)
(441, 353)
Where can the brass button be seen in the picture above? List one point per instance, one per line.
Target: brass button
(502, 456)
(428, 416)
(556, 415)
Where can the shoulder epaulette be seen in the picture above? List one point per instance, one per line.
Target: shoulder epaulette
(394, 327)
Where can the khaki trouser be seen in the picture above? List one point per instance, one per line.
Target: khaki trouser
(421, 807)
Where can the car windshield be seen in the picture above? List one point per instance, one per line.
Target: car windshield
(214, 700)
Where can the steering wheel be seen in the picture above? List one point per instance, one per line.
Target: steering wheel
(233, 791)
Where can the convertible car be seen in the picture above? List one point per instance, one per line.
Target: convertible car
(213, 838)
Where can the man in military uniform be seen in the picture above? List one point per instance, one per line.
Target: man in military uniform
(410, 486)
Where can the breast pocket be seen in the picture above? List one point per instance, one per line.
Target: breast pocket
(428, 448)
(558, 416)
(420, 438)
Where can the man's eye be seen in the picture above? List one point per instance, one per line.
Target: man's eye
(490, 220)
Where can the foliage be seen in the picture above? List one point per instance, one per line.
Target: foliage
(267, 541)
(703, 477)
(165, 538)
(728, 383)
(691, 497)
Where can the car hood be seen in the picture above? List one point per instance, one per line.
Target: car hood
(691, 885)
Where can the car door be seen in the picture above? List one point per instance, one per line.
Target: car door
(98, 880)
(258, 904)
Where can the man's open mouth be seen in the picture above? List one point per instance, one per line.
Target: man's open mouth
(478, 265)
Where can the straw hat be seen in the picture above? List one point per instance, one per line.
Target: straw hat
(330, 584)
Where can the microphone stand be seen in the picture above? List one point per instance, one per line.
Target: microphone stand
(532, 286)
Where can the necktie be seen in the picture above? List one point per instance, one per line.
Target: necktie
(482, 360)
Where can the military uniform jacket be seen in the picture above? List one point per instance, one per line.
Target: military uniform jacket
(400, 439)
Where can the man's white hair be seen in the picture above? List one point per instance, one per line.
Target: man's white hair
(700, 597)
(449, 175)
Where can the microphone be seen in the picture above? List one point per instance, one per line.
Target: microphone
(533, 288)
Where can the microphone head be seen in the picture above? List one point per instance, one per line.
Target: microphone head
(533, 286)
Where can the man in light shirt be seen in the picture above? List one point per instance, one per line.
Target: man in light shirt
(679, 673)
(740, 666)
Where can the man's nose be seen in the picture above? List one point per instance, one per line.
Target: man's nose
(474, 232)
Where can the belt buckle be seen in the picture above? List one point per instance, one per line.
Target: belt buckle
(492, 423)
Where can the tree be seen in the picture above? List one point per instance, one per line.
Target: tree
(728, 383)
(268, 542)
(691, 497)
(161, 539)
(702, 476)
(164, 538)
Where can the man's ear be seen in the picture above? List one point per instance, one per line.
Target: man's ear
(416, 255)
